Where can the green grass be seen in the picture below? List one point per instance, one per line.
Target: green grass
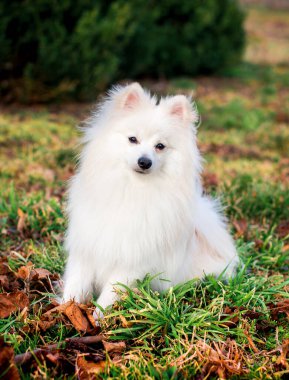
(235, 114)
(244, 135)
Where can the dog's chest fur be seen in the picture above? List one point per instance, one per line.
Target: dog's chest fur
(130, 223)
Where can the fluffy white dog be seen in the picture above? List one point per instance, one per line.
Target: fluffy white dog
(136, 204)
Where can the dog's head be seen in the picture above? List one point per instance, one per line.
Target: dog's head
(146, 137)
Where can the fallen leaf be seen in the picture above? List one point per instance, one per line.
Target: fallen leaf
(282, 359)
(251, 314)
(8, 370)
(73, 312)
(221, 358)
(282, 117)
(241, 227)
(71, 345)
(14, 285)
(4, 267)
(45, 325)
(53, 357)
(40, 274)
(124, 322)
(79, 321)
(281, 306)
(88, 370)
(231, 317)
(21, 220)
(258, 243)
(91, 319)
(230, 150)
(58, 309)
(23, 272)
(250, 341)
(114, 348)
(282, 229)
(210, 180)
(4, 283)
(24, 314)
(265, 326)
(89, 309)
(11, 302)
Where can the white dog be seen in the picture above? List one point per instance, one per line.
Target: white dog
(136, 204)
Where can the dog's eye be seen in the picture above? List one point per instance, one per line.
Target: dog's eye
(133, 140)
(160, 146)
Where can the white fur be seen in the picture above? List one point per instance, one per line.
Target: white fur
(124, 224)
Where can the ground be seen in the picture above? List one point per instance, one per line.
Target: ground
(238, 329)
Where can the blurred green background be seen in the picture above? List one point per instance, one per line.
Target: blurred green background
(53, 50)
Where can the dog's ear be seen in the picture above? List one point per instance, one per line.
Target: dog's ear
(131, 96)
(182, 108)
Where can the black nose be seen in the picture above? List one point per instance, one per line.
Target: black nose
(144, 163)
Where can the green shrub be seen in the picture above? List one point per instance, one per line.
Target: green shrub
(77, 47)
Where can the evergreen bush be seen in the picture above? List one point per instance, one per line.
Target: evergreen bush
(50, 48)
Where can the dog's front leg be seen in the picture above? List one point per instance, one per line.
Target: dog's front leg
(78, 279)
(108, 294)
(106, 298)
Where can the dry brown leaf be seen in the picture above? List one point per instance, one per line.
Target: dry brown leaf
(4, 267)
(57, 309)
(11, 302)
(39, 274)
(73, 312)
(210, 179)
(241, 227)
(282, 306)
(79, 321)
(14, 285)
(21, 220)
(230, 150)
(88, 370)
(45, 325)
(4, 283)
(124, 322)
(8, 370)
(282, 229)
(53, 357)
(251, 314)
(92, 321)
(89, 309)
(232, 316)
(222, 358)
(114, 348)
(282, 359)
(250, 341)
(258, 243)
(282, 117)
(23, 272)
(23, 314)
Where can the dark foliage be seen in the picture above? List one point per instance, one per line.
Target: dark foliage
(48, 49)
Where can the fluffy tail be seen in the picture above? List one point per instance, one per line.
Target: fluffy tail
(213, 247)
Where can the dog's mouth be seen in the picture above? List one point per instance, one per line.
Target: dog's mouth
(141, 171)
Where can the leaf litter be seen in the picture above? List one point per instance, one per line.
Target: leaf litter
(85, 355)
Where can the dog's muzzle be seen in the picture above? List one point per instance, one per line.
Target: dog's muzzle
(144, 163)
